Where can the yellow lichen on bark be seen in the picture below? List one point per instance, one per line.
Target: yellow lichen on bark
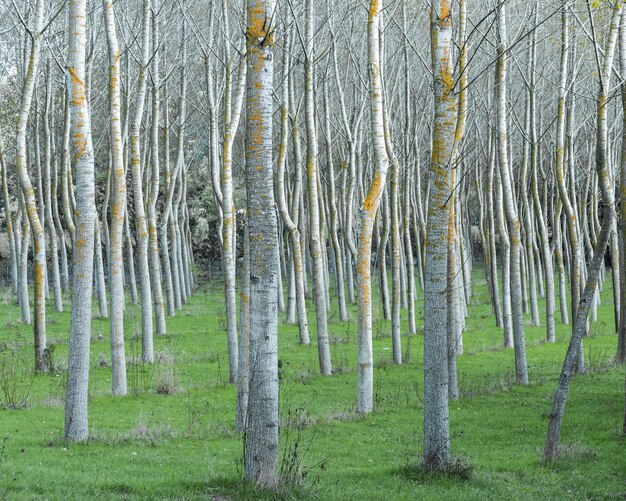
(374, 6)
(78, 88)
(370, 204)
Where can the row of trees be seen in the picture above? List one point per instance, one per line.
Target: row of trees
(71, 236)
(479, 153)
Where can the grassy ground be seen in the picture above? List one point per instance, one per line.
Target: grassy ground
(174, 438)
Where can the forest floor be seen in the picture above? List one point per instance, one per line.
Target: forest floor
(173, 437)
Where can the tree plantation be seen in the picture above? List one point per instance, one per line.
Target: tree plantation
(286, 249)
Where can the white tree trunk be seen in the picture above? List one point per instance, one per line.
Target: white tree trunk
(315, 233)
(30, 204)
(155, 174)
(261, 445)
(519, 343)
(147, 342)
(118, 209)
(365, 382)
(436, 420)
(76, 419)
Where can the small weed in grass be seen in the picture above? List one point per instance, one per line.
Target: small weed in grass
(458, 469)
(103, 362)
(16, 377)
(166, 382)
(571, 453)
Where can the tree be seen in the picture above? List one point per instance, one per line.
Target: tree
(155, 175)
(9, 222)
(118, 209)
(621, 336)
(579, 327)
(288, 220)
(436, 419)
(364, 401)
(30, 203)
(147, 348)
(546, 252)
(76, 422)
(232, 114)
(514, 225)
(571, 215)
(315, 233)
(49, 220)
(261, 435)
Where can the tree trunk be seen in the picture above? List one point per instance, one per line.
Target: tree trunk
(229, 227)
(436, 418)
(30, 204)
(243, 378)
(76, 419)
(155, 174)
(364, 402)
(99, 262)
(538, 209)
(147, 346)
(519, 343)
(621, 334)
(261, 437)
(118, 209)
(572, 359)
(333, 215)
(289, 221)
(9, 224)
(23, 264)
(579, 328)
(315, 233)
(49, 221)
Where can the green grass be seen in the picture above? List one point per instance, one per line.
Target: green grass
(184, 445)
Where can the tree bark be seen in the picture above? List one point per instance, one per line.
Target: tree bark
(315, 233)
(519, 343)
(118, 209)
(30, 203)
(155, 175)
(261, 436)
(229, 227)
(436, 417)
(76, 419)
(49, 221)
(286, 215)
(621, 334)
(365, 384)
(147, 342)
